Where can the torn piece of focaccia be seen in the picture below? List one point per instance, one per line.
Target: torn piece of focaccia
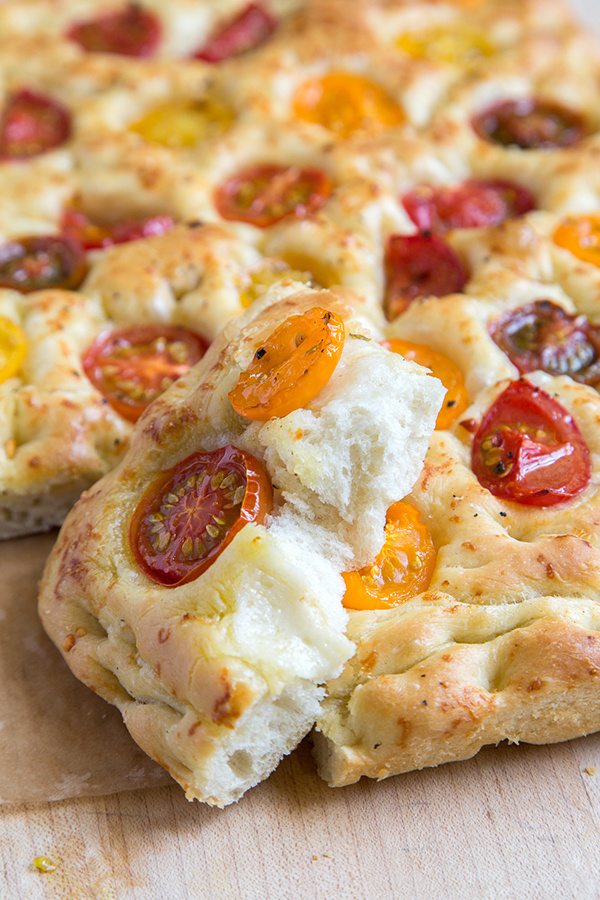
(198, 586)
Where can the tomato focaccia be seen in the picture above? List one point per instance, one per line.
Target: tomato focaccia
(198, 585)
(503, 640)
(80, 367)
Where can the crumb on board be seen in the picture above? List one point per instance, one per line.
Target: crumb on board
(44, 865)
(590, 770)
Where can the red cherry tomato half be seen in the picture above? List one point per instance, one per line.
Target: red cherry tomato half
(472, 204)
(264, 195)
(191, 513)
(94, 236)
(247, 31)
(31, 124)
(530, 124)
(132, 31)
(419, 265)
(529, 449)
(134, 365)
(36, 263)
(543, 336)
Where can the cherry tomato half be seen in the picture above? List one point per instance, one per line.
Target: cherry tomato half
(346, 104)
(266, 194)
(529, 449)
(91, 235)
(403, 567)
(416, 266)
(530, 124)
(13, 348)
(580, 235)
(32, 124)
(191, 513)
(247, 31)
(456, 399)
(543, 336)
(133, 366)
(36, 263)
(182, 126)
(132, 31)
(472, 204)
(459, 45)
(292, 366)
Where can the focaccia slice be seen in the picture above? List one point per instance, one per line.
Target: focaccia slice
(219, 676)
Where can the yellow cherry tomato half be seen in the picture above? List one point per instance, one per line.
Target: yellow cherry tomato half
(580, 235)
(456, 399)
(13, 348)
(291, 367)
(455, 45)
(182, 126)
(403, 567)
(346, 104)
(257, 283)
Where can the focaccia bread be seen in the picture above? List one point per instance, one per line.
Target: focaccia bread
(218, 675)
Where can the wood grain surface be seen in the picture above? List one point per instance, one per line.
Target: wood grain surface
(513, 822)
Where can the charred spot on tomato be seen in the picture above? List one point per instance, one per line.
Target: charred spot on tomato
(542, 335)
(265, 194)
(530, 124)
(291, 367)
(191, 513)
(132, 31)
(31, 124)
(418, 266)
(475, 203)
(528, 449)
(36, 263)
(132, 366)
(245, 32)
(95, 235)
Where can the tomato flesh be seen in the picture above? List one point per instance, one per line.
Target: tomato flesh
(456, 399)
(528, 449)
(247, 31)
(472, 204)
(32, 124)
(91, 235)
(13, 348)
(191, 513)
(132, 31)
(347, 104)
(542, 335)
(530, 124)
(292, 366)
(403, 567)
(264, 195)
(38, 263)
(132, 366)
(417, 266)
(580, 235)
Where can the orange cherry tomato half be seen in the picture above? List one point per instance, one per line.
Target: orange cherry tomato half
(37, 263)
(247, 31)
(94, 236)
(292, 366)
(132, 31)
(133, 366)
(473, 204)
(417, 266)
(580, 235)
(347, 104)
(403, 567)
(529, 449)
(457, 399)
(191, 513)
(542, 335)
(530, 124)
(32, 123)
(266, 194)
